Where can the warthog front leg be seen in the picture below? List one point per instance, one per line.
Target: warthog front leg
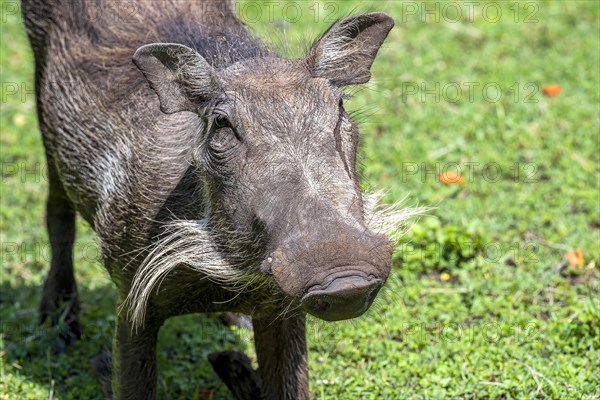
(134, 361)
(59, 295)
(282, 357)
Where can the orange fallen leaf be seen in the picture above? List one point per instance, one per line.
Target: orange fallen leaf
(551, 90)
(575, 258)
(451, 178)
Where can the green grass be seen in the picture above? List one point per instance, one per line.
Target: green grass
(474, 307)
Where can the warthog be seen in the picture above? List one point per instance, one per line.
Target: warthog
(218, 177)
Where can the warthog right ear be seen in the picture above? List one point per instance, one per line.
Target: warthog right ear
(345, 53)
(181, 78)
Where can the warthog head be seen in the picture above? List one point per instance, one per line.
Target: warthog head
(277, 155)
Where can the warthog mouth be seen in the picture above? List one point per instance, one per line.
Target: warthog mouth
(346, 272)
(343, 297)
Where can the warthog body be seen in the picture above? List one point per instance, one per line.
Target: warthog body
(217, 176)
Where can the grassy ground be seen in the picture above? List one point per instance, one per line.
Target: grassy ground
(481, 302)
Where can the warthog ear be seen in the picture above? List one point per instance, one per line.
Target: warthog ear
(182, 79)
(345, 53)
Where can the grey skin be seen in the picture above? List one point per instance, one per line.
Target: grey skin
(206, 127)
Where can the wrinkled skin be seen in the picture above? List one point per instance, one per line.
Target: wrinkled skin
(209, 164)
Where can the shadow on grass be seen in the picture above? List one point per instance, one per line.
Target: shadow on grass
(32, 353)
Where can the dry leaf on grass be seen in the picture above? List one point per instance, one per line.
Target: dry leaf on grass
(575, 258)
(451, 178)
(551, 90)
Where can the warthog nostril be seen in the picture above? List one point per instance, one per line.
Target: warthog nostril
(343, 298)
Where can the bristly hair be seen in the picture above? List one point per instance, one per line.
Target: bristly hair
(391, 220)
(189, 244)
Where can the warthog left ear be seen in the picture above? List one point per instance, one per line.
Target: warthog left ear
(179, 75)
(345, 53)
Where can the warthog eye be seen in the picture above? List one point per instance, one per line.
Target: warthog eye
(221, 122)
(223, 139)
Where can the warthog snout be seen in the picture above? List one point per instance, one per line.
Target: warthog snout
(344, 298)
(335, 277)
